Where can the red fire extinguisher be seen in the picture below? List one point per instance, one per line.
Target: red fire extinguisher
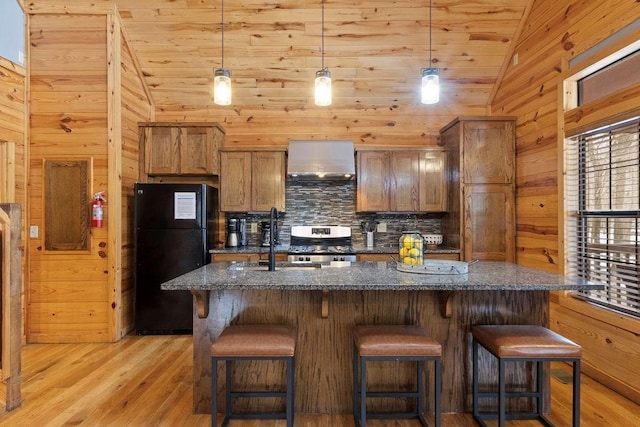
(97, 211)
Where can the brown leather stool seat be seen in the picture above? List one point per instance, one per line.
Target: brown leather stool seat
(523, 343)
(393, 343)
(253, 342)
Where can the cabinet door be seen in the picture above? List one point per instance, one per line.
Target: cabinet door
(373, 188)
(235, 181)
(161, 145)
(198, 151)
(488, 152)
(433, 181)
(404, 180)
(489, 223)
(267, 180)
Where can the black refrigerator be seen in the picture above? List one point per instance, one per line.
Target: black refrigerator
(174, 228)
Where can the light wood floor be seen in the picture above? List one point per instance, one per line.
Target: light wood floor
(146, 381)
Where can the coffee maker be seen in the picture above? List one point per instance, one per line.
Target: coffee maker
(233, 239)
(266, 233)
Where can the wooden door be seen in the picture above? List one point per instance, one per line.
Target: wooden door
(404, 180)
(489, 223)
(267, 181)
(373, 185)
(235, 181)
(198, 151)
(162, 146)
(488, 151)
(433, 181)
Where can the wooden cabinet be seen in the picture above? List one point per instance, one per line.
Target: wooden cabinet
(481, 168)
(252, 181)
(402, 181)
(180, 148)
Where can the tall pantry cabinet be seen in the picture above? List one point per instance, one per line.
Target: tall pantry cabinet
(481, 219)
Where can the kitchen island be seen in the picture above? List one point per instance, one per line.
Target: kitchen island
(323, 304)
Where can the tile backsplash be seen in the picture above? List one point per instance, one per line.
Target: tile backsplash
(334, 203)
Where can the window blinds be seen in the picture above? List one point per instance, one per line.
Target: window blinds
(602, 198)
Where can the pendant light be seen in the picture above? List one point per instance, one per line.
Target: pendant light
(430, 77)
(222, 76)
(323, 77)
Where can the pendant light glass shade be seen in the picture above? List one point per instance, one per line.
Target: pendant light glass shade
(430, 90)
(222, 76)
(323, 77)
(221, 86)
(323, 88)
(430, 86)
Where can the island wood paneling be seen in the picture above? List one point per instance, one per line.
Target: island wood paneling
(323, 352)
(532, 90)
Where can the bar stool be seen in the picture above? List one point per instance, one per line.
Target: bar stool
(252, 342)
(393, 343)
(523, 343)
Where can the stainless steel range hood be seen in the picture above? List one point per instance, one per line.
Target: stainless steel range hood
(312, 160)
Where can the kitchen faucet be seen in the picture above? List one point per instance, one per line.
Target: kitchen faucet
(273, 217)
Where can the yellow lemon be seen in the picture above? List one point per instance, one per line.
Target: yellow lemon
(414, 253)
(407, 260)
(417, 244)
(407, 242)
(403, 252)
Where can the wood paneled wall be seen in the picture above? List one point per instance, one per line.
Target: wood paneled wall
(13, 152)
(532, 90)
(135, 108)
(86, 99)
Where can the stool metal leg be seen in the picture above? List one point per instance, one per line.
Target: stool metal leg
(228, 404)
(476, 412)
(363, 392)
(214, 392)
(420, 380)
(501, 394)
(290, 391)
(356, 393)
(539, 389)
(576, 393)
(438, 390)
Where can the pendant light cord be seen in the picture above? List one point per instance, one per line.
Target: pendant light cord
(323, 34)
(430, 12)
(222, 33)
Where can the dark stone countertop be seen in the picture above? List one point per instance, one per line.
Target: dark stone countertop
(485, 275)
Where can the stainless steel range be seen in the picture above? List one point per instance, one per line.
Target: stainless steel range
(320, 244)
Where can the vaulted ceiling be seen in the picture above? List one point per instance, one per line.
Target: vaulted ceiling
(373, 49)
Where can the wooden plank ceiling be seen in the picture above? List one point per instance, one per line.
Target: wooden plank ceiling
(373, 49)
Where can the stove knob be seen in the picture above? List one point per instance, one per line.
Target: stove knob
(308, 259)
(335, 258)
(300, 258)
(341, 258)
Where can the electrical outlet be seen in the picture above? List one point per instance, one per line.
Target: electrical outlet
(254, 227)
(382, 227)
(33, 232)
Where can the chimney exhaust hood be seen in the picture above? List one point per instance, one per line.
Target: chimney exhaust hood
(313, 160)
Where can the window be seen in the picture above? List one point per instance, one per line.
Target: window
(602, 194)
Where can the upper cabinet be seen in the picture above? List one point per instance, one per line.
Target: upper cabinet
(481, 167)
(401, 181)
(181, 148)
(252, 181)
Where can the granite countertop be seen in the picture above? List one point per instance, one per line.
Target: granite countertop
(485, 275)
(388, 249)
(393, 249)
(249, 250)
